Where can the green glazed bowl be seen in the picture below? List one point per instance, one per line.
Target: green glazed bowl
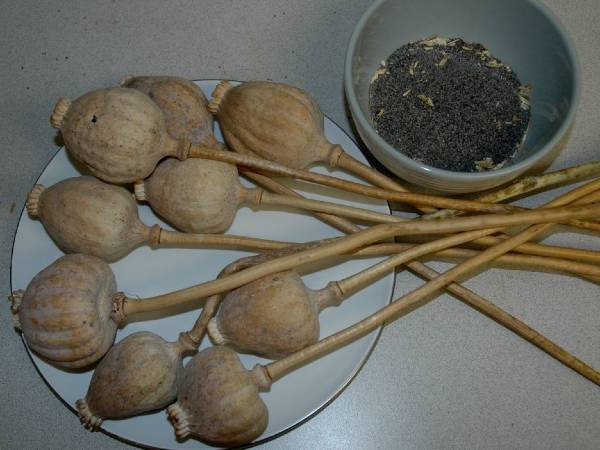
(522, 33)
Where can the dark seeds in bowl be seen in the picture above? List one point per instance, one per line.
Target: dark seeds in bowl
(449, 104)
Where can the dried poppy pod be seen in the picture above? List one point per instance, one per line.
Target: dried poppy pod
(277, 315)
(273, 316)
(218, 400)
(143, 371)
(65, 313)
(200, 195)
(195, 195)
(139, 374)
(276, 121)
(73, 276)
(183, 104)
(119, 134)
(86, 215)
(285, 125)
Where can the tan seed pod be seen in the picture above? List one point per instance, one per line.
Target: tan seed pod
(218, 400)
(276, 121)
(201, 195)
(85, 215)
(143, 371)
(195, 195)
(273, 316)
(119, 134)
(139, 374)
(65, 313)
(183, 104)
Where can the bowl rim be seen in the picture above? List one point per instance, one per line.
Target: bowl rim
(504, 172)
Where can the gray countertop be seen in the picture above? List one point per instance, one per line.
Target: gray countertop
(444, 376)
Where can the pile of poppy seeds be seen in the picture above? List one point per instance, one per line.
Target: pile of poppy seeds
(450, 104)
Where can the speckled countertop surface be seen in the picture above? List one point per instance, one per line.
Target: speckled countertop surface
(444, 376)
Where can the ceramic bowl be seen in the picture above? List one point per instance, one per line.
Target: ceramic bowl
(522, 33)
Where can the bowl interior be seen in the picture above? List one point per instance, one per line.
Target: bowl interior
(521, 33)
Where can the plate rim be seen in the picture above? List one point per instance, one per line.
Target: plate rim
(274, 436)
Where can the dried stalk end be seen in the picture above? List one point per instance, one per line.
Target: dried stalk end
(118, 307)
(179, 419)
(154, 236)
(139, 191)
(214, 333)
(332, 295)
(33, 200)
(88, 419)
(334, 154)
(125, 80)
(59, 112)
(252, 197)
(186, 344)
(182, 152)
(261, 377)
(217, 96)
(15, 300)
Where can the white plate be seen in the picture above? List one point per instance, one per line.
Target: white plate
(147, 272)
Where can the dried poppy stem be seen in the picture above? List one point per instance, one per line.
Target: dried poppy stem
(570, 175)
(261, 302)
(405, 197)
(418, 200)
(267, 198)
(551, 263)
(230, 389)
(530, 184)
(127, 306)
(549, 250)
(421, 296)
(532, 263)
(348, 227)
(86, 215)
(574, 254)
(581, 196)
(168, 239)
(552, 179)
(352, 165)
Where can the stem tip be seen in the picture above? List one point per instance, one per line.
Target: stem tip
(87, 417)
(33, 200)
(179, 419)
(60, 111)
(15, 300)
(217, 96)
